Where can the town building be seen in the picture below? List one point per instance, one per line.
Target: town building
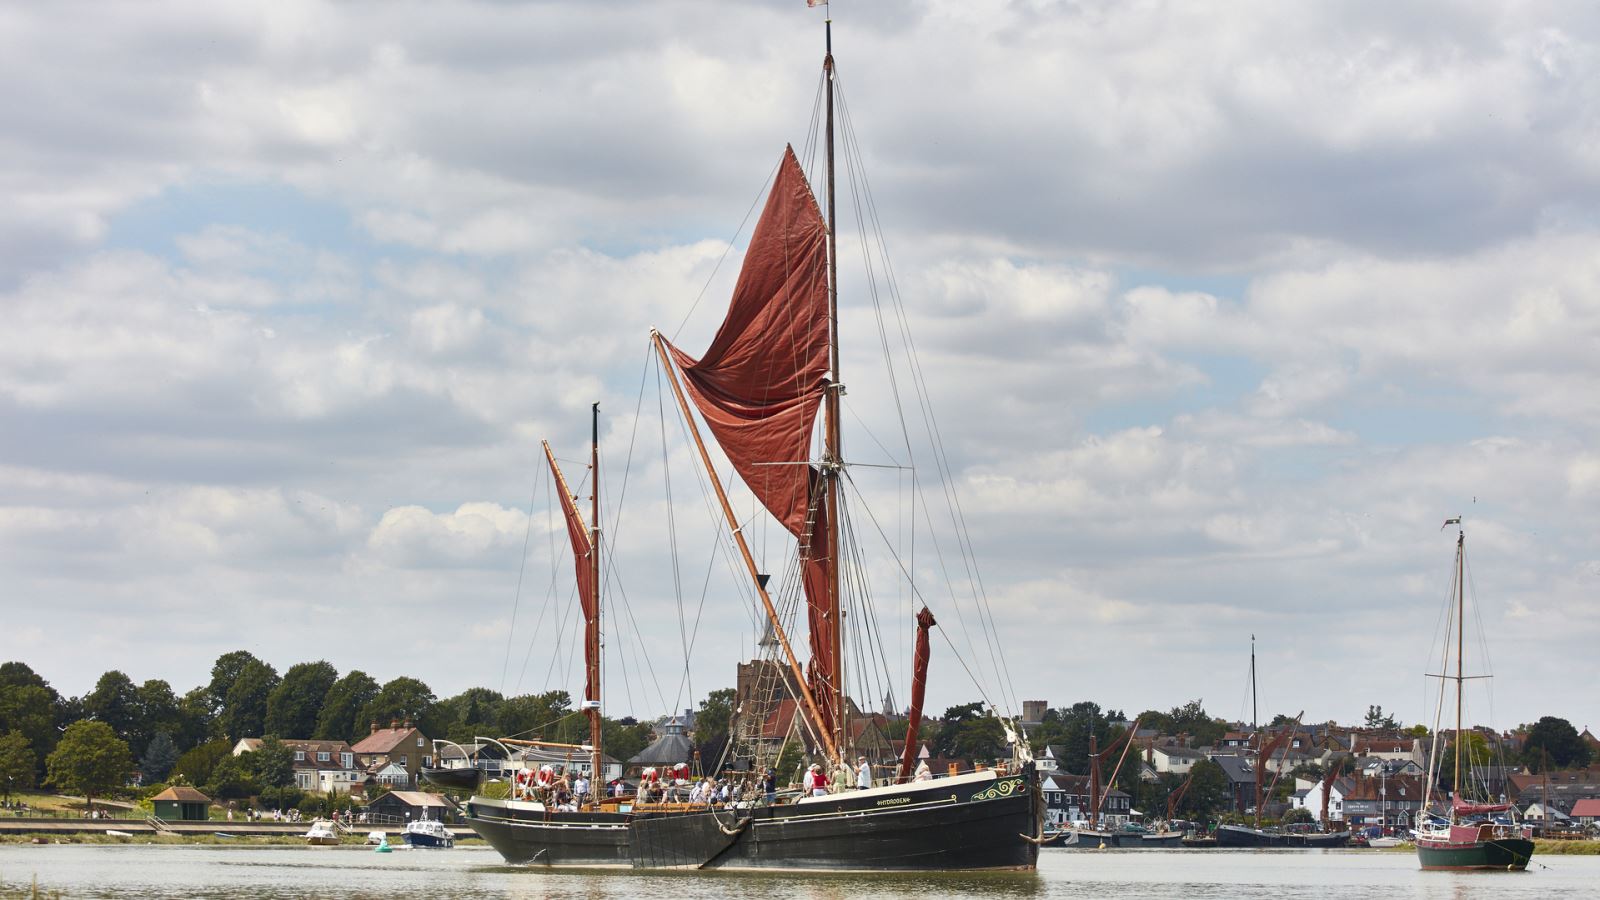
(401, 746)
(181, 803)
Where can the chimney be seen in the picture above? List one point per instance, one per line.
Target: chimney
(408, 722)
(374, 727)
(394, 723)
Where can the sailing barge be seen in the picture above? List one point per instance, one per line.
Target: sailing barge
(771, 367)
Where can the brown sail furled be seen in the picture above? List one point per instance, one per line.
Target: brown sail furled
(759, 384)
(919, 685)
(588, 597)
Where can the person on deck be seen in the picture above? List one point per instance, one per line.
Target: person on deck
(863, 773)
(816, 781)
(923, 772)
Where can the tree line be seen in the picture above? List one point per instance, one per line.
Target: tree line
(121, 725)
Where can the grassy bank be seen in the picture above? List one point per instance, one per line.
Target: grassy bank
(1566, 848)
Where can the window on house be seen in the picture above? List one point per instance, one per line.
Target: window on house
(419, 740)
(299, 756)
(323, 756)
(347, 760)
(427, 762)
(403, 760)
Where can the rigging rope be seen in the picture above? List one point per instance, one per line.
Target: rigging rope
(522, 567)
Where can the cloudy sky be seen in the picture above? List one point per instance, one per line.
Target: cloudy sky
(1223, 309)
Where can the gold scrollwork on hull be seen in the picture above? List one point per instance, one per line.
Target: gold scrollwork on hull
(1004, 788)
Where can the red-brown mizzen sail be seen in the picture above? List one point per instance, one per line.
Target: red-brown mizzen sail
(919, 685)
(588, 596)
(760, 383)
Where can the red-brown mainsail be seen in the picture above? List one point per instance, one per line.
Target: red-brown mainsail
(760, 383)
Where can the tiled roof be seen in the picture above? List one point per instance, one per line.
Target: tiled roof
(418, 798)
(1587, 807)
(386, 740)
(183, 794)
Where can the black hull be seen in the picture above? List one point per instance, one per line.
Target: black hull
(1318, 840)
(530, 837)
(1096, 840)
(955, 825)
(462, 779)
(1240, 836)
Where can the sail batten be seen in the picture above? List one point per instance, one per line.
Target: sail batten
(761, 382)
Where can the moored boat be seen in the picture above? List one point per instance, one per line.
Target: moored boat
(321, 833)
(1467, 833)
(428, 833)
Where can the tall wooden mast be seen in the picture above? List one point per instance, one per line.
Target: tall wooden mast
(1461, 624)
(592, 635)
(833, 458)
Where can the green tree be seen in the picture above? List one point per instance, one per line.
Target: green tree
(624, 737)
(548, 715)
(29, 709)
(1193, 720)
(340, 718)
(1477, 754)
(1078, 723)
(1555, 740)
(968, 732)
(20, 674)
(196, 720)
(293, 705)
(90, 760)
(244, 713)
(231, 779)
(1298, 815)
(465, 715)
(1207, 795)
(17, 763)
(716, 711)
(401, 699)
(115, 701)
(159, 758)
(157, 711)
(1376, 718)
(195, 766)
(272, 764)
(223, 674)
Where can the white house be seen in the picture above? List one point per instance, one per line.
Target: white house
(1177, 760)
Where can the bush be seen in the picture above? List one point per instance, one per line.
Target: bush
(287, 797)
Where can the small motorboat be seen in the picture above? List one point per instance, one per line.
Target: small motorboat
(428, 833)
(114, 833)
(1384, 843)
(377, 837)
(322, 834)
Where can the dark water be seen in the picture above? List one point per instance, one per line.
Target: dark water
(134, 871)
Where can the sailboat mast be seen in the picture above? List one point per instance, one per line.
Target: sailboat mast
(592, 638)
(833, 459)
(1461, 623)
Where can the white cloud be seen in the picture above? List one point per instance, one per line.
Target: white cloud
(1223, 309)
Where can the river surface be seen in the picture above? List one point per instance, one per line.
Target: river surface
(141, 871)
